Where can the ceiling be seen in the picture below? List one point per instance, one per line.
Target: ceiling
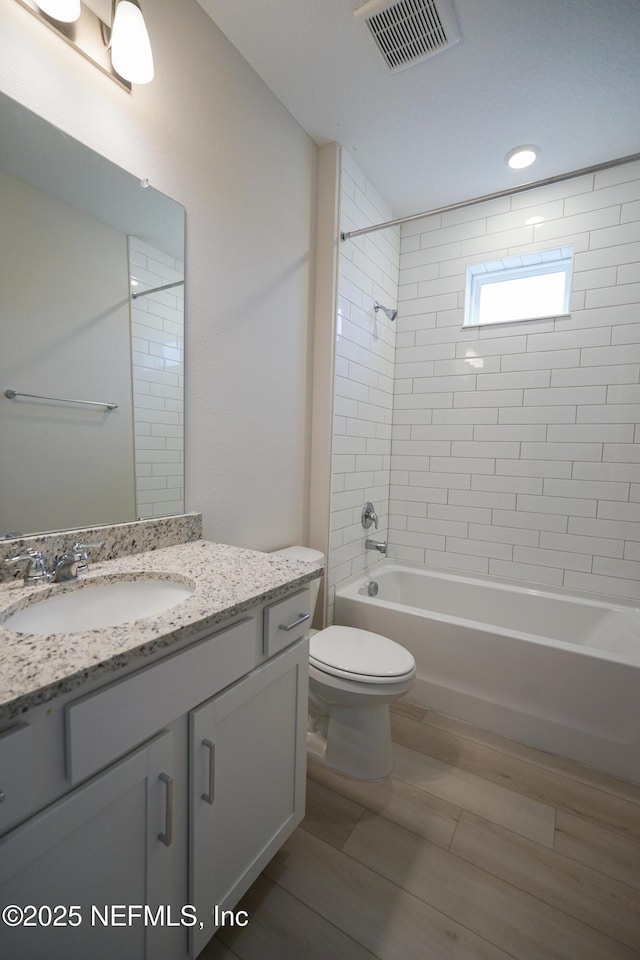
(561, 74)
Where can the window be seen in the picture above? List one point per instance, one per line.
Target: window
(529, 287)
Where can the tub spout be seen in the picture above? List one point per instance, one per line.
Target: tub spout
(379, 545)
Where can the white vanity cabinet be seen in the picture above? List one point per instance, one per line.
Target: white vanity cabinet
(102, 845)
(247, 766)
(169, 788)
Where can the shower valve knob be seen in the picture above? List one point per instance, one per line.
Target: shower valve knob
(369, 515)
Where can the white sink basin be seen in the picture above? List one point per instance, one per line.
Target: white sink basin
(90, 607)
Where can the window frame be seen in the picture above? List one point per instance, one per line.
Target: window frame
(479, 275)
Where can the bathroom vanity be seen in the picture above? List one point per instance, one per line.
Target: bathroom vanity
(159, 763)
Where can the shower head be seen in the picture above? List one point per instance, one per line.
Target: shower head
(388, 312)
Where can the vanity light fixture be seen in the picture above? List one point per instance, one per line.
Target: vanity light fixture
(131, 54)
(523, 156)
(122, 51)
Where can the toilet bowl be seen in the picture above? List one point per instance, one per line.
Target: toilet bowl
(353, 677)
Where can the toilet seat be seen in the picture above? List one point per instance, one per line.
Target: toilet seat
(360, 655)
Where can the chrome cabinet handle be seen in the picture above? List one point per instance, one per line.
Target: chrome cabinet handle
(211, 747)
(3, 796)
(167, 836)
(301, 619)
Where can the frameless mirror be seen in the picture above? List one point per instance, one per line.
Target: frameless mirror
(91, 336)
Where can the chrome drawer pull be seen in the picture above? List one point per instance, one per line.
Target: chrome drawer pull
(3, 796)
(167, 836)
(211, 747)
(301, 619)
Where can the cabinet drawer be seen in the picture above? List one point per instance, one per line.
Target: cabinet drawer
(105, 725)
(16, 773)
(286, 621)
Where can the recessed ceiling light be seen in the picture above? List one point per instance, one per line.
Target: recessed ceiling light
(522, 156)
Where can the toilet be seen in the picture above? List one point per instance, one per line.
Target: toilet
(353, 677)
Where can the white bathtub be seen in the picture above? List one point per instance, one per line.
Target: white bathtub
(554, 670)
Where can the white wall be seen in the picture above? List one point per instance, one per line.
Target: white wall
(157, 363)
(208, 133)
(64, 332)
(515, 447)
(364, 372)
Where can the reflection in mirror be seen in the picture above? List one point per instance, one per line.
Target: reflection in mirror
(94, 432)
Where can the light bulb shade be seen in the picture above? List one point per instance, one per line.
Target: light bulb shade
(131, 54)
(64, 11)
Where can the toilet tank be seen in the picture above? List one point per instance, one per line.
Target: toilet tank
(306, 555)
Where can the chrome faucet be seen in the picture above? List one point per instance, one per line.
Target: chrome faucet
(66, 567)
(379, 545)
(73, 562)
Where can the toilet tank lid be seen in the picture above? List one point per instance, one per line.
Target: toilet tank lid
(306, 554)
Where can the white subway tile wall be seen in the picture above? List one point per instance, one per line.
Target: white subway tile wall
(515, 448)
(157, 350)
(363, 402)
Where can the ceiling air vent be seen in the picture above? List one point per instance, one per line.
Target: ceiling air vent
(409, 31)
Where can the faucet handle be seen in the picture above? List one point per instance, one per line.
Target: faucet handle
(369, 515)
(83, 547)
(80, 553)
(37, 569)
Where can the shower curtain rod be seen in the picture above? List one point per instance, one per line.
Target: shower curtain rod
(511, 191)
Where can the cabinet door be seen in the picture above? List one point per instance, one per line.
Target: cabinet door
(247, 773)
(99, 846)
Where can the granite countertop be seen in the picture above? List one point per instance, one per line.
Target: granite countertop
(227, 580)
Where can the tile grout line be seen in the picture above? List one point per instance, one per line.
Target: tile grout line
(625, 784)
(415, 896)
(483, 869)
(606, 828)
(529, 762)
(602, 873)
(322, 915)
(568, 809)
(394, 823)
(499, 786)
(346, 840)
(453, 919)
(455, 829)
(552, 906)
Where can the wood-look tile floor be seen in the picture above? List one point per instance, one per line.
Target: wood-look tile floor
(477, 848)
